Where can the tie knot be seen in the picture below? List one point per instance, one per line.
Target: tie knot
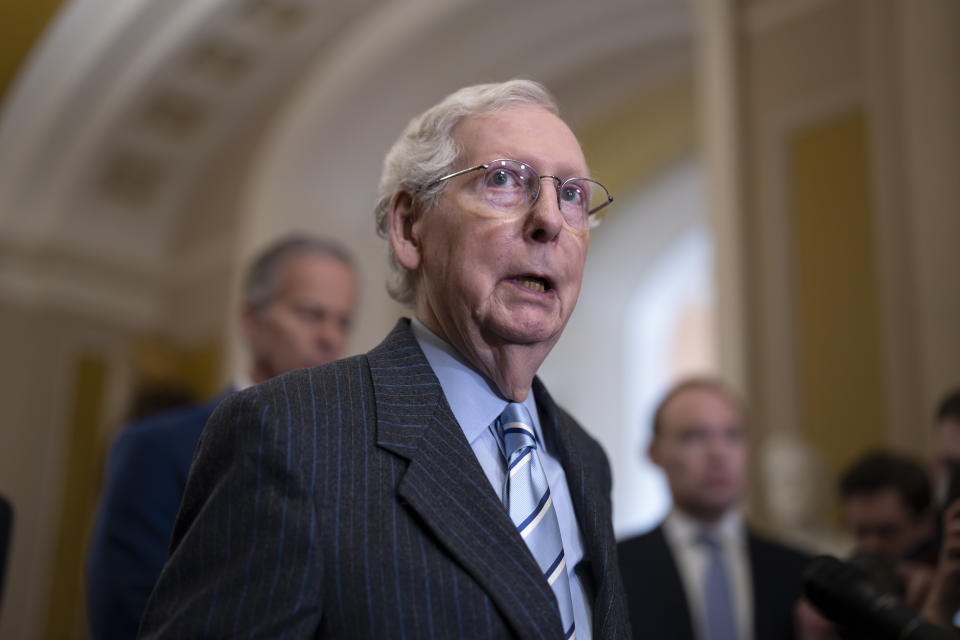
(517, 428)
(709, 540)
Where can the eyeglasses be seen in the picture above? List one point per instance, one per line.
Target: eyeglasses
(512, 186)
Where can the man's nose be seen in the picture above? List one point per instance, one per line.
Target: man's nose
(545, 221)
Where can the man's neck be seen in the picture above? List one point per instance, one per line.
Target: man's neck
(510, 367)
(704, 518)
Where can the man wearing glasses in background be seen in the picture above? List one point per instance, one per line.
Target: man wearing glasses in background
(430, 488)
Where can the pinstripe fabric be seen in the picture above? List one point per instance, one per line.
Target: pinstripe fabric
(343, 501)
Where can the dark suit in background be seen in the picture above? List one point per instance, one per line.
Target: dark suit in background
(344, 501)
(145, 477)
(658, 603)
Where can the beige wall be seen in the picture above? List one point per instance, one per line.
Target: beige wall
(849, 219)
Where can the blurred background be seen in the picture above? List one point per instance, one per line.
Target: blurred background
(786, 182)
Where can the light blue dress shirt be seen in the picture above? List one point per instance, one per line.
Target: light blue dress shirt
(476, 404)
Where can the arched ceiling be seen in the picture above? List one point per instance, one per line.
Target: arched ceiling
(122, 110)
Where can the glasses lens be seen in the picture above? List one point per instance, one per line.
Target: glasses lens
(509, 185)
(579, 198)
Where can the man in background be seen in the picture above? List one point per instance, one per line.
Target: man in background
(702, 573)
(299, 299)
(888, 506)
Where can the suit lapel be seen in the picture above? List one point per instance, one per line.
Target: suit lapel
(592, 510)
(675, 595)
(447, 488)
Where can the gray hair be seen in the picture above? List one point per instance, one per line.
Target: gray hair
(260, 286)
(426, 150)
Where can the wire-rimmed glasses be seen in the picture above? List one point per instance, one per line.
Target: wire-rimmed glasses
(512, 186)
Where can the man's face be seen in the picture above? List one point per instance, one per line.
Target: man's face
(307, 321)
(882, 524)
(701, 448)
(477, 279)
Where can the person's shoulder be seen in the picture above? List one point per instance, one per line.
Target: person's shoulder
(297, 386)
(162, 428)
(649, 551)
(299, 379)
(643, 541)
(770, 548)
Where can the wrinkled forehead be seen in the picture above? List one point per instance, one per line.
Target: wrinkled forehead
(529, 134)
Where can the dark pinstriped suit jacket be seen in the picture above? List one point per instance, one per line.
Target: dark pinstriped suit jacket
(344, 501)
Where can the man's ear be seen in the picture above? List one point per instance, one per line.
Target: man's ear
(404, 232)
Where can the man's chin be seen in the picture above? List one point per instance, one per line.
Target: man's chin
(526, 334)
(525, 326)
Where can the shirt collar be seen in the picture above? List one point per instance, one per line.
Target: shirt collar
(472, 398)
(684, 527)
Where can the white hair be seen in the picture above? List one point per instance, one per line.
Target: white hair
(426, 151)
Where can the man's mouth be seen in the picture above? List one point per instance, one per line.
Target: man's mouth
(534, 283)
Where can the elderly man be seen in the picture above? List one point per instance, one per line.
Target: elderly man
(299, 300)
(430, 488)
(703, 574)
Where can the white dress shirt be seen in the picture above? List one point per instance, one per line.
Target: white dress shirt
(691, 556)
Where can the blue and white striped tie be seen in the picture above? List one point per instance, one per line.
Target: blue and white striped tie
(527, 498)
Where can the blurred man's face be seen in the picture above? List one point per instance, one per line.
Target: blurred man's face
(702, 449)
(486, 279)
(307, 321)
(882, 524)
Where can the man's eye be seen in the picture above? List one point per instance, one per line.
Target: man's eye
(503, 179)
(572, 194)
(693, 437)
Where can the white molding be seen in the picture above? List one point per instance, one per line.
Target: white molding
(719, 112)
(121, 293)
(129, 307)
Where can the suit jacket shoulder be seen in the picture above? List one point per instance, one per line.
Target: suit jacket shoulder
(655, 596)
(777, 586)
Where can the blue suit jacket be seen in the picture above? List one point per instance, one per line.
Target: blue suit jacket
(145, 477)
(344, 501)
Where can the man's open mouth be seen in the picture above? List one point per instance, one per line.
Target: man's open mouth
(535, 283)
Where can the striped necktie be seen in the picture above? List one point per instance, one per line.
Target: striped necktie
(527, 498)
(718, 603)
